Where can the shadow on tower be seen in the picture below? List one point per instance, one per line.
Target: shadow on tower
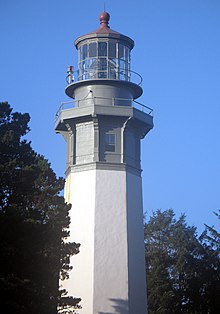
(120, 307)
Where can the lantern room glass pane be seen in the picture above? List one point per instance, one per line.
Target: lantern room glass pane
(111, 50)
(102, 49)
(127, 54)
(112, 69)
(102, 69)
(93, 49)
(103, 64)
(121, 51)
(80, 54)
(84, 52)
(93, 65)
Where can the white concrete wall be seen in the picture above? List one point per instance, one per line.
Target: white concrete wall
(80, 192)
(136, 251)
(106, 219)
(111, 248)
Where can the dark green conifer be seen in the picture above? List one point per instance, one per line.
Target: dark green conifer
(34, 221)
(182, 271)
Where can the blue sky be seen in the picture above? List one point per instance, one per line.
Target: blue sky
(177, 52)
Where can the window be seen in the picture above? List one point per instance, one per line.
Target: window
(84, 52)
(127, 55)
(121, 52)
(111, 50)
(92, 49)
(102, 49)
(110, 141)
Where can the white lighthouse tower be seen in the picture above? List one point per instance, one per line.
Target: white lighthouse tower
(103, 174)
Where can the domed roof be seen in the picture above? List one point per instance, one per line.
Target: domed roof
(104, 31)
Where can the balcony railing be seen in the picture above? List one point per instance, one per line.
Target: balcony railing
(104, 73)
(122, 102)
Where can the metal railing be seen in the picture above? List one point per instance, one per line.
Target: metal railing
(117, 102)
(105, 73)
(144, 108)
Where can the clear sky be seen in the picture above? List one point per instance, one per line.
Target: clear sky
(177, 52)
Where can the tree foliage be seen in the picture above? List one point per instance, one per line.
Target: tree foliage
(182, 270)
(211, 236)
(34, 221)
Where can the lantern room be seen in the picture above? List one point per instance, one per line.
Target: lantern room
(104, 55)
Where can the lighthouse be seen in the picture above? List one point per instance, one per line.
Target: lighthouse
(103, 128)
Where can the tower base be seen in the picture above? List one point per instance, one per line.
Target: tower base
(107, 220)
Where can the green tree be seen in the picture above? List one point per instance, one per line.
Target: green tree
(211, 235)
(182, 272)
(157, 234)
(34, 221)
(210, 239)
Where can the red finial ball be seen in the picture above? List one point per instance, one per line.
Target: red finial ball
(104, 18)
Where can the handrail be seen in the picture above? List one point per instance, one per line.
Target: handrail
(75, 103)
(106, 73)
(150, 110)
